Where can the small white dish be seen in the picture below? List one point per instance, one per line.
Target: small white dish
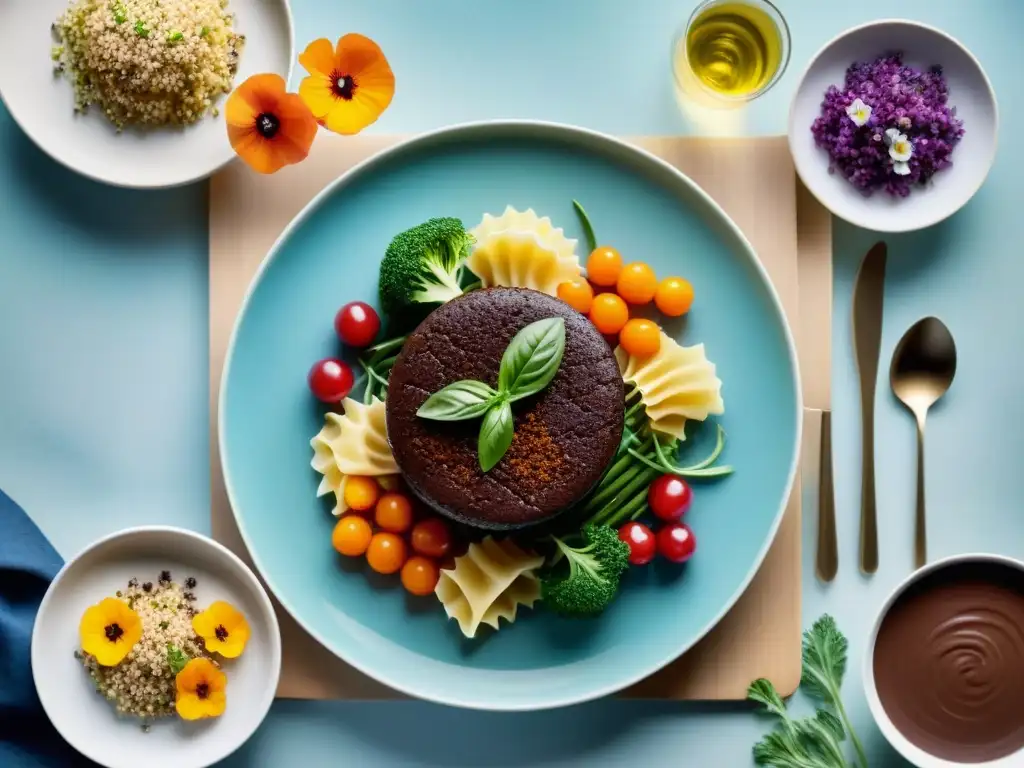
(42, 103)
(911, 752)
(89, 722)
(969, 91)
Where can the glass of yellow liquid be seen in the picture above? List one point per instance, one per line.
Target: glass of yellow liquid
(731, 51)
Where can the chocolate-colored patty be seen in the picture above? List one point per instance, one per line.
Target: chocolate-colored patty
(565, 436)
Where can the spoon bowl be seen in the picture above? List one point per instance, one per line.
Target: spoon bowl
(922, 370)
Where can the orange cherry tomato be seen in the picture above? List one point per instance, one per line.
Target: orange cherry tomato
(674, 296)
(394, 513)
(608, 313)
(637, 283)
(351, 535)
(420, 575)
(577, 294)
(431, 537)
(604, 265)
(640, 338)
(386, 553)
(361, 493)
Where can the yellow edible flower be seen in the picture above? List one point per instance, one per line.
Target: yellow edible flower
(349, 85)
(109, 630)
(200, 690)
(223, 629)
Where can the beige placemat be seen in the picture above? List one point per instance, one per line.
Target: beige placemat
(754, 180)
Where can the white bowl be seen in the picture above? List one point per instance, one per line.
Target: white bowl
(904, 746)
(87, 721)
(43, 103)
(969, 91)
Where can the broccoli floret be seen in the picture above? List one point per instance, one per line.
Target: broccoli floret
(594, 572)
(423, 265)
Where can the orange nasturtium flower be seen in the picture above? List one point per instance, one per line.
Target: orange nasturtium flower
(349, 86)
(268, 127)
(200, 687)
(223, 628)
(109, 630)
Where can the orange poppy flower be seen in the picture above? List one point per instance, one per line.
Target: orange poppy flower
(268, 127)
(200, 690)
(349, 86)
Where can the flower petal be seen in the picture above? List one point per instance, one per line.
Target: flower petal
(317, 94)
(188, 706)
(318, 58)
(205, 623)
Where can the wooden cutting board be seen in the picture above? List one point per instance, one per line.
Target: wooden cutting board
(754, 181)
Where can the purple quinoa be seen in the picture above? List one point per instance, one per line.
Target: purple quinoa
(912, 102)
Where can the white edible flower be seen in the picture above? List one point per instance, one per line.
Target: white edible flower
(900, 148)
(859, 112)
(901, 169)
(891, 134)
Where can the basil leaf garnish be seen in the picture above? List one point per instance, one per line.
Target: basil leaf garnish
(460, 400)
(495, 435)
(532, 358)
(528, 365)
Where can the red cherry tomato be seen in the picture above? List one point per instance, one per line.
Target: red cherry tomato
(669, 498)
(357, 324)
(676, 542)
(330, 380)
(641, 542)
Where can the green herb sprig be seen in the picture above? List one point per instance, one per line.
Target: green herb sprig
(817, 741)
(176, 658)
(528, 365)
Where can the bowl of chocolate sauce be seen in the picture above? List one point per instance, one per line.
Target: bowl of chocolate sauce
(944, 672)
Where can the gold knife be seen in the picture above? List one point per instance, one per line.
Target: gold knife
(814, 265)
(867, 342)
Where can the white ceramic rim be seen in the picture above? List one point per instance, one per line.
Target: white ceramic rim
(526, 128)
(863, 224)
(181, 182)
(199, 540)
(900, 743)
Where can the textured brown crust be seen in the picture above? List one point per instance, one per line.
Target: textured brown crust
(565, 436)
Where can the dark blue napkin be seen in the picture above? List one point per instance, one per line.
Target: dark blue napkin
(27, 564)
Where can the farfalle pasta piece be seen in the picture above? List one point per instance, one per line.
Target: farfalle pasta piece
(489, 583)
(352, 443)
(676, 384)
(519, 249)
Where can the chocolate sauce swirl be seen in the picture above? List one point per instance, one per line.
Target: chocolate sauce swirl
(949, 662)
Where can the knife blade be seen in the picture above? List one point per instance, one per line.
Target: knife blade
(867, 340)
(814, 265)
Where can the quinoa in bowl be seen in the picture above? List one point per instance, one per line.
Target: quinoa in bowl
(148, 62)
(143, 684)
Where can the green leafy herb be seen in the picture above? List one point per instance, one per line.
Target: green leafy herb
(140, 29)
(204, 32)
(175, 37)
(811, 742)
(495, 435)
(176, 659)
(588, 228)
(528, 365)
(120, 13)
(531, 361)
(460, 400)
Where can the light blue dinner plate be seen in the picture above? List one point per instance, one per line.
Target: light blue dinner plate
(329, 256)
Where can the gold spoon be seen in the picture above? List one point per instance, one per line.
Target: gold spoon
(923, 367)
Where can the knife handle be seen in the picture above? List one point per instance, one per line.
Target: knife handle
(828, 546)
(868, 511)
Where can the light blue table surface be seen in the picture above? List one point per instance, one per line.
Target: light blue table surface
(103, 347)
